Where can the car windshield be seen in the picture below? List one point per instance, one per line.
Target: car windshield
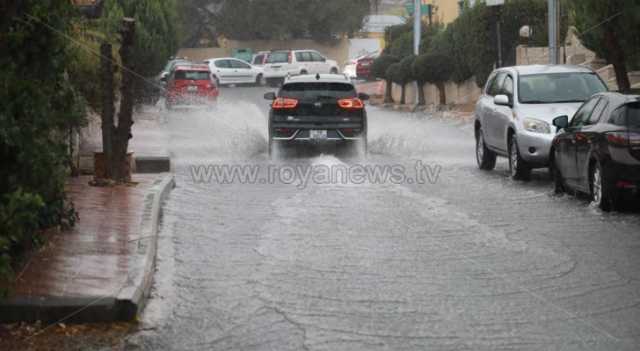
(315, 91)
(278, 57)
(192, 75)
(558, 87)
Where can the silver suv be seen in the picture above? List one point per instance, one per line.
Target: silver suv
(514, 115)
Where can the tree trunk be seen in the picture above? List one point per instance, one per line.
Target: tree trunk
(617, 59)
(387, 92)
(120, 171)
(421, 98)
(443, 93)
(403, 96)
(106, 63)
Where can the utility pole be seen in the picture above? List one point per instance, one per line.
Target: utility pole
(417, 26)
(554, 18)
(497, 5)
(499, 34)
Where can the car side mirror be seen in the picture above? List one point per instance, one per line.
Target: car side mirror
(561, 122)
(270, 96)
(363, 96)
(502, 100)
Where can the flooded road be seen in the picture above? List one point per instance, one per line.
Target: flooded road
(465, 260)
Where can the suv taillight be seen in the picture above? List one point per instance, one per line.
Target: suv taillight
(284, 104)
(290, 57)
(351, 104)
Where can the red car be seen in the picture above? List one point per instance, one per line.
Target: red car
(363, 66)
(191, 85)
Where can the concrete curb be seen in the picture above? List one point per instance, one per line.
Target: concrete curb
(130, 300)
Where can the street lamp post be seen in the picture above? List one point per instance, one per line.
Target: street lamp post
(554, 52)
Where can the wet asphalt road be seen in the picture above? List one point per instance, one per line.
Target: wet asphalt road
(473, 261)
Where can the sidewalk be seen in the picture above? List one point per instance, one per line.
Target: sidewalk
(101, 269)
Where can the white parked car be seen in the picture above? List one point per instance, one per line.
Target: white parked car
(229, 70)
(281, 64)
(514, 115)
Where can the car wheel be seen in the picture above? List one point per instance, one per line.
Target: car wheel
(303, 72)
(260, 80)
(603, 193)
(334, 70)
(518, 167)
(486, 158)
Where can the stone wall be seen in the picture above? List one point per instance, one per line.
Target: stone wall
(573, 51)
(338, 51)
(457, 94)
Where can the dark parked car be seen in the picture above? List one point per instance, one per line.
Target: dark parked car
(598, 152)
(317, 108)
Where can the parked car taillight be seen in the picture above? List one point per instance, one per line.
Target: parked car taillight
(351, 104)
(290, 57)
(624, 139)
(284, 104)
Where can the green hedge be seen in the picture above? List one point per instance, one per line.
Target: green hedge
(38, 107)
(470, 41)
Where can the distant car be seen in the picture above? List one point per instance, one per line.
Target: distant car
(162, 76)
(360, 68)
(349, 69)
(284, 63)
(242, 54)
(317, 108)
(228, 70)
(598, 152)
(514, 114)
(260, 58)
(191, 85)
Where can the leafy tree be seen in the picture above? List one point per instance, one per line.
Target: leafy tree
(291, 19)
(156, 34)
(198, 20)
(436, 69)
(400, 73)
(379, 70)
(38, 108)
(610, 29)
(451, 43)
(400, 38)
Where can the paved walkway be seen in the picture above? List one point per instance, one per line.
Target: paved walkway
(93, 259)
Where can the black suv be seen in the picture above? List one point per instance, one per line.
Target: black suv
(317, 109)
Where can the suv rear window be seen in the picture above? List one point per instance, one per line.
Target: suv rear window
(192, 75)
(278, 57)
(313, 91)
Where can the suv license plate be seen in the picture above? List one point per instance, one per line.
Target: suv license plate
(192, 88)
(318, 134)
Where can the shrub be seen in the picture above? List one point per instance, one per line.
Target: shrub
(38, 108)
(436, 69)
(401, 73)
(379, 70)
